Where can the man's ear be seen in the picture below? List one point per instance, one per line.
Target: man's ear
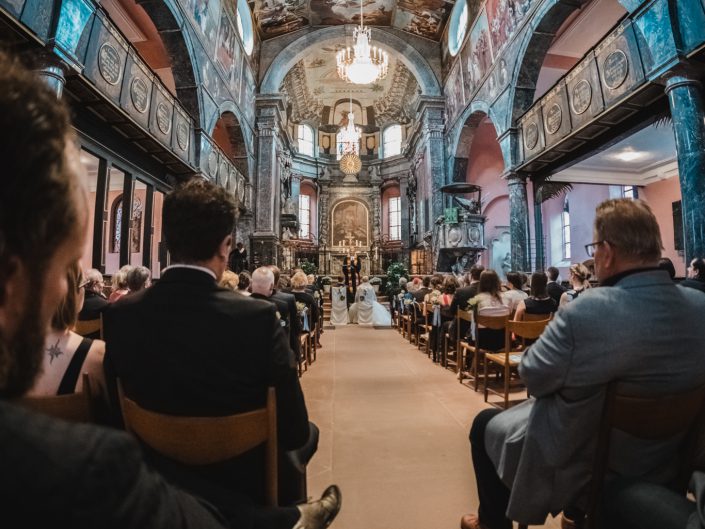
(225, 247)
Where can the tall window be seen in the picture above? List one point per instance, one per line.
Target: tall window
(395, 219)
(457, 27)
(304, 135)
(629, 192)
(391, 141)
(243, 19)
(565, 224)
(304, 216)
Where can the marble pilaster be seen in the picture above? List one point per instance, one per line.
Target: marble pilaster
(431, 111)
(267, 199)
(685, 97)
(518, 221)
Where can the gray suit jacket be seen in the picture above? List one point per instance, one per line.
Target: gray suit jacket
(646, 333)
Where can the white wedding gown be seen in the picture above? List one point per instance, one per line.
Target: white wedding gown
(339, 306)
(366, 311)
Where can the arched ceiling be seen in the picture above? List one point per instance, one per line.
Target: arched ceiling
(316, 92)
(424, 18)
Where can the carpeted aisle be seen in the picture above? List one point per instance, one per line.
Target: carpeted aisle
(394, 432)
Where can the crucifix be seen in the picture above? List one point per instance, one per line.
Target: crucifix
(351, 239)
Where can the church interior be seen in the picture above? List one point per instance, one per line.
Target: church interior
(378, 140)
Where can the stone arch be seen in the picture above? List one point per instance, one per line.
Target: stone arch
(294, 52)
(170, 23)
(460, 139)
(534, 45)
(227, 132)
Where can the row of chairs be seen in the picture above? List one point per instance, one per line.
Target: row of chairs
(308, 343)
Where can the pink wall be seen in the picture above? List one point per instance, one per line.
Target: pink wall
(660, 196)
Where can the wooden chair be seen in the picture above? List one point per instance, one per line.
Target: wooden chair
(648, 418)
(463, 345)
(450, 345)
(76, 407)
(304, 343)
(424, 328)
(208, 440)
(509, 359)
(87, 327)
(478, 352)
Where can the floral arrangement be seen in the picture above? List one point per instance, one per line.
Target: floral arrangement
(300, 307)
(394, 272)
(375, 280)
(326, 280)
(308, 267)
(435, 297)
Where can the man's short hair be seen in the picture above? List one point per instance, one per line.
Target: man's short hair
(515, 279)
(666, 264)
(198, 215)
(262, 281)
(426, 281)
(38, 211)
(66, 313)
(698, 264)
(552, 273)
(630, 227)
(137, 278)
(475, 271)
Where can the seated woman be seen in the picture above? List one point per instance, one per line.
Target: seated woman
(119, 284)
(298, 289)
(579, 276)
(366, 309)
(489, 302)
(229, 280)
(68, 354)
(243, 283)
(339, 303)
(539, 302)
(514, 294)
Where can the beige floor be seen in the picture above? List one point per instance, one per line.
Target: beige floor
(393, 433)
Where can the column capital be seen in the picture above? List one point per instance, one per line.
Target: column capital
(681, 75)
(514, 178)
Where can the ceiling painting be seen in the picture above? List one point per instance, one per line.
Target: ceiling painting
(425, 18)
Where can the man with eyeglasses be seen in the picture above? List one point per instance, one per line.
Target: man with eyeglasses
(536, 458)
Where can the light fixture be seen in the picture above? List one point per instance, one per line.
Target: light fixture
(363, 64)
(628, 155)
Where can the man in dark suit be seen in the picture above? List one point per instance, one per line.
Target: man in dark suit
(696, 275)
(189, 347)
(295, 329)
(554, 289)
(461, 298)
(420, 294)
(55, 473)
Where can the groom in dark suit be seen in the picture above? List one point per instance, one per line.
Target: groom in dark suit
(189, 347)
(351, 271)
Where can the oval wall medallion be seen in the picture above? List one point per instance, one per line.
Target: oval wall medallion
(554, 118)
(139, 93)
(109, 64)
(163, 117)
(581, 97)
(531, 136)
(455, 236)
(615, 69)
(182, 135)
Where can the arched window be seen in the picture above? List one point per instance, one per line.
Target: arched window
(244, 26)
(457, 27)
(565, 227)
(391, 141)
(304, 216)
(304, 135)
(116, 225)
(395, 219)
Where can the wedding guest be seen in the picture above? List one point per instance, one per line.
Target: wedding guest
(230, 280)
(238, 258)
(554, 288)
(489, 302)
(514, 293)
(666, 264)
(696, 275)
(579, 276)
(539, 302)
(298, 289)
(243, 283)
(119, 284)
(138, 279)
(94, 299)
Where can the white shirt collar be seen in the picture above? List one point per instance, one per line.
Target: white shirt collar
(192, 267)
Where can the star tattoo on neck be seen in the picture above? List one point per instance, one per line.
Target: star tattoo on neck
(54, 351)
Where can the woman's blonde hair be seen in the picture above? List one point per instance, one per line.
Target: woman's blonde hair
(229, 280)
(299, 281)
(119, 279)
(581, 272)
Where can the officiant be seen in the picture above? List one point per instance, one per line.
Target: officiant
(351, 271)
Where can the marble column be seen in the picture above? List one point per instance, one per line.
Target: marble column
(431, 110)
(53, 75)
(518, 222)
(267, 200)
(685, 97)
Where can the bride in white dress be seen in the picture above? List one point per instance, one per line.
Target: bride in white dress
(366, 310)
(339, 305)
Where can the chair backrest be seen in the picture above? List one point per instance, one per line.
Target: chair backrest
(86, 327)
(527, 329)
(208, 440)
(75, 407)
(492, 322)
(649, 418)
(537, 317)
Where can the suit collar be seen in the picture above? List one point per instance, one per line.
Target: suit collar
(638, 277)
(181, 274)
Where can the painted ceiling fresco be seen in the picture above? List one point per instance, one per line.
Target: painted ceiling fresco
(319, 95)
(425, 18)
